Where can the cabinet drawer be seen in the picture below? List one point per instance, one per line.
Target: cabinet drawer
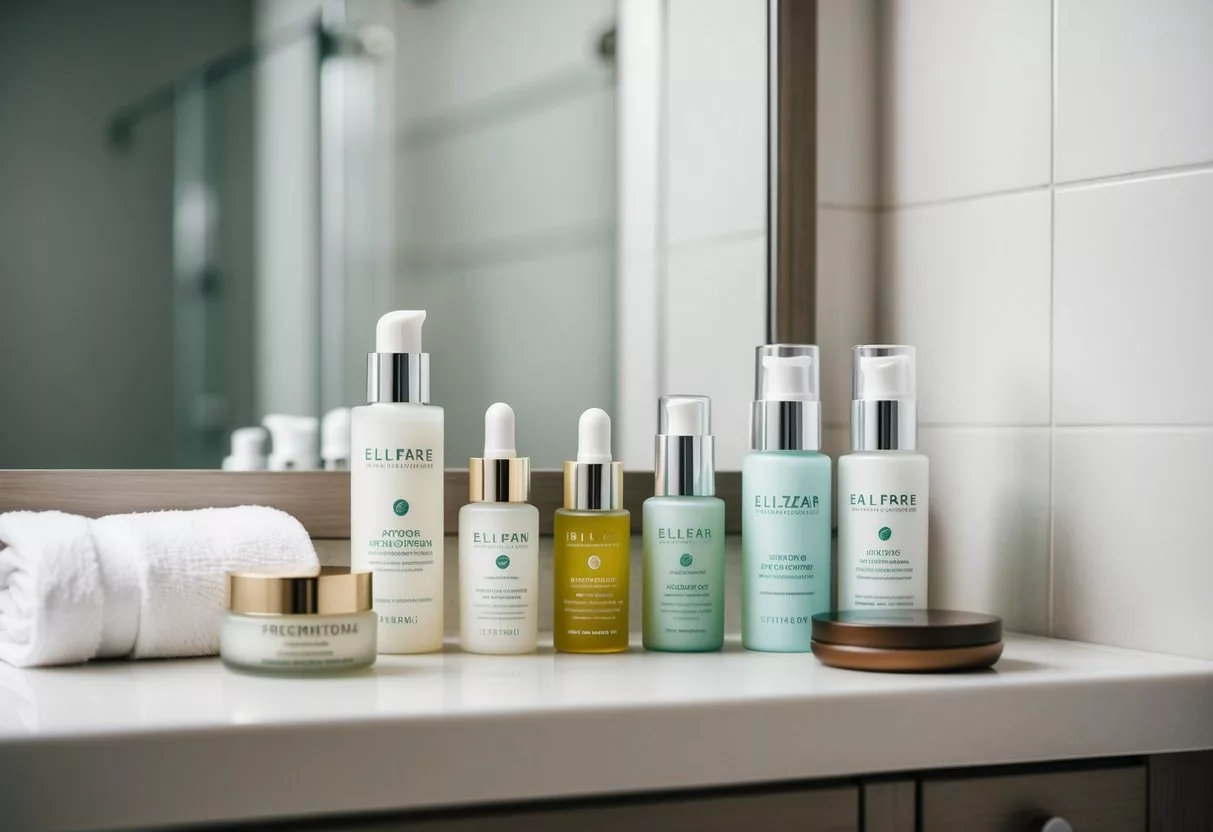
(807, 809)
(1108, 799)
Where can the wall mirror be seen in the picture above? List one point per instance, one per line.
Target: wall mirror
(206, 204)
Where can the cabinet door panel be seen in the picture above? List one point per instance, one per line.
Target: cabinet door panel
(1108, 799)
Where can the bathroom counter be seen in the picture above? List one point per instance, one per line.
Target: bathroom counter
(173, 742)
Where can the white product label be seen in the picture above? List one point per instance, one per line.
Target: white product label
(396, 520)
(298, 642)
(499, 578)
(882, 531)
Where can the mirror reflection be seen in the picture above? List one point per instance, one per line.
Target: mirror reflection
(205, 206)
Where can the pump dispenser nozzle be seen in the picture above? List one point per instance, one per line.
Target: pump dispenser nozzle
(593, 482)
(248, 450)
(786, 414)
(294, 440)
(500, 476)
(884, 411)
(400, 331)
(686, 454)
(398, 371)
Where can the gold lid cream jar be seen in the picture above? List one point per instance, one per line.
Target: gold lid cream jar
(299, 624)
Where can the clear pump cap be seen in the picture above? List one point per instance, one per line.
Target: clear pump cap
(883, 373)
(788, 373)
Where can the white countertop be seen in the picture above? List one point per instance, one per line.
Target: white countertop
(155, 743)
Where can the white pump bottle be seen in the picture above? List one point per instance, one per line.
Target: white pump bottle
(883, 488)
(499, 546)
(396, 475)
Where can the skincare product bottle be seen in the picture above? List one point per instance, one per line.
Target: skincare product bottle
(883, 488)
(298, 624)
(335, 439)
(248, 450)
(684, 534)
(293, 440)
(592, 536)
(785, 511)
(396, 488)
(499, 546)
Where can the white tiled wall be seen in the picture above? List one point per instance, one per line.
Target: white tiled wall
(1047, 185)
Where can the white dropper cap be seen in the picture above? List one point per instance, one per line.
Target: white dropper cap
(294, 439)
(335, 438)
(248, 450)
(499, 432)
(400, 331)
(789, 378)
(594, 437)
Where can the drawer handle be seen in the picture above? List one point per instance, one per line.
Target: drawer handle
(1053, 824)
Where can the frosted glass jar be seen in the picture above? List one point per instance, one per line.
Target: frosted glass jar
(299, 624)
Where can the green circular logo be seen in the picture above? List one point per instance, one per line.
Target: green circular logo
(885, 533)
(401, 507)
(502, 561)
(686, 560)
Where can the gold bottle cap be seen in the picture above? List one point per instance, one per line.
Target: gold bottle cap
(499, 480)
(332, 591)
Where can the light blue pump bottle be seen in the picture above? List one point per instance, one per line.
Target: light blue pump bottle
(684, 534)
(785, 512)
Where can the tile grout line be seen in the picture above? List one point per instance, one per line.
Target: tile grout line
(1147, 175)
(1052, 618)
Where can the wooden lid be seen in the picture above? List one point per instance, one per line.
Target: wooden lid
(907, 629)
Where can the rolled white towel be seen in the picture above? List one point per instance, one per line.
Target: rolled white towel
(132, 585)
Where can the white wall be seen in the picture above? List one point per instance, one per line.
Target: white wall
(506, 201)
(1046, 173)
(693, 273)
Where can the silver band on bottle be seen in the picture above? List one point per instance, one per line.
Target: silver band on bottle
(505, 480)
(686, 466)
(394, 377)
(879, 425)
(785, 425)
(593, 486)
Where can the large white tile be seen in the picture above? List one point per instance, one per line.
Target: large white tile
(1132, 526)
(470, 56)
(846, 301)
(715, 318)
(1133, 85)
(716, 118)
(1132, 299)
(846, 102)
(535, 333)
(967, 283)
(967, 97)
(516, 178)
(990, 522)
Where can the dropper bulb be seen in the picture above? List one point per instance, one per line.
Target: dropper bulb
(594, 437)
(499, 432)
